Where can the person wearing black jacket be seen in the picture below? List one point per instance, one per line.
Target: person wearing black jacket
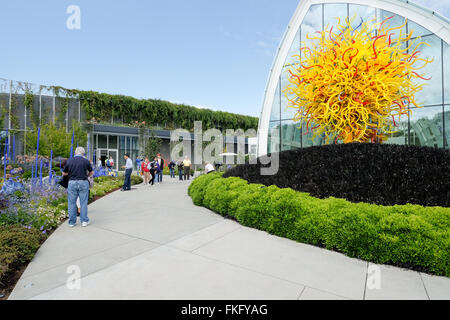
(172, 166)
(180, 166)
(152, 172)
(78, 169)
(160, 172)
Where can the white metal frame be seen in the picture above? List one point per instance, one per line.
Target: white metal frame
(424, 17)
(98, 151)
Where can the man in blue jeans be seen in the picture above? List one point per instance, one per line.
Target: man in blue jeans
(172, 166)
(128, 171)
(78, 169)
(161, 168)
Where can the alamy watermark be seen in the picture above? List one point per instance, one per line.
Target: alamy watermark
(211, 143)
(73, 22)
(74, 280)
(373, 277)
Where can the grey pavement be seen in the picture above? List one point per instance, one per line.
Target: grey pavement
(153, 243)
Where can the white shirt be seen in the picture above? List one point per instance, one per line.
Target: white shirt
(209, 167)
(129, 164)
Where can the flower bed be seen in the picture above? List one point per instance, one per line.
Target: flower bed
(28, 216)
(410, 236)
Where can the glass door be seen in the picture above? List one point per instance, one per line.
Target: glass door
(114, 154)
(102, 156)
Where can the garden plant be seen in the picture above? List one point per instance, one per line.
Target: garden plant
(30, 211)
(409, 236)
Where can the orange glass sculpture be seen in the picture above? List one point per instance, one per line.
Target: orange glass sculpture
(352, 84)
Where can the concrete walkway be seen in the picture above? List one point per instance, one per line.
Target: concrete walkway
(153, 243)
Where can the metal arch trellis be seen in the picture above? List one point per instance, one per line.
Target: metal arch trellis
(13, 88)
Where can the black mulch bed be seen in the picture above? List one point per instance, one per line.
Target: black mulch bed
(372, 173)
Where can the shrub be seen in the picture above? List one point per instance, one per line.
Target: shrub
(371, 173)
(17, 246)
(27, 174)
(410, 236)
(55, 138)
(252, 206)
(136, 180)
(197, 188)
(219, 194)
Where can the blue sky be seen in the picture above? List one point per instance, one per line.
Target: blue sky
(208, 53)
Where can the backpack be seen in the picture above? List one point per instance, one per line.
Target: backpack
(108, 163)
(64, 182)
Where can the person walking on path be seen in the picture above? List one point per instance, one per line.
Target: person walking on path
(187, 168)
(161, 168)
(156, 171)
(146, 171)
(153, 170)
(138, 164)
(172, 166)
(128, 171)
(180, 169)
(79, 170)
(110, 164)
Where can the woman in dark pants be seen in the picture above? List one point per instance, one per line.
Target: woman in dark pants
(152, 172)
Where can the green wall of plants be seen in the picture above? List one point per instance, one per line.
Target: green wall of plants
(103, 107)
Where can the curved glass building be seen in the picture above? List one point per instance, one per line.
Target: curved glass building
(426, 126)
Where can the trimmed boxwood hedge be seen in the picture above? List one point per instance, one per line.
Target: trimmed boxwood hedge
(409, 236)
(17, 246)
(371, 173)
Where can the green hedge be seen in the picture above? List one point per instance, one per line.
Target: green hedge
(409, 235)
(17, 246)
(102, 106)
(107, 184)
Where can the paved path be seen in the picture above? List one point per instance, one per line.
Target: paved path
(153, 243)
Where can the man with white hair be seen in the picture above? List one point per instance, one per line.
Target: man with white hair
(78, 169)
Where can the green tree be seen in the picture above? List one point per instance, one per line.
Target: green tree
(153, 146)
(56, 139)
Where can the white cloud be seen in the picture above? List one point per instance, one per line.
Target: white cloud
(228, 34)
(267, 44)
(262, 44)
